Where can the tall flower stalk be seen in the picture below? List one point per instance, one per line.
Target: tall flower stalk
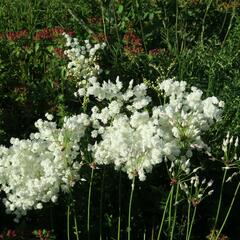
(76, 231)
(89, 202)
(219, 203)
(228, 212)
(101, 204)
(119, 206)
(175, 212)
(164, 212)
(130, 208)
(68, 221)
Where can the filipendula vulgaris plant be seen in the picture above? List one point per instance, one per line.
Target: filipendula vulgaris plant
(125, 131)
(134, 139)
(34, 170)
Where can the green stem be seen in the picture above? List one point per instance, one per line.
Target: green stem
(230, 24)
(228, 212)
(68, 222)
(89, 203)
(105, 30)
(220, 198)
(152, 235)
(219, 203)
(76, 226)
(164, 213)
(192, 221)
(176, 29)
(130, 209)
(119, 206)
(188, 218)
(119, 228)
(101, 203)
(170, 208)
(204, 19)
(144, 234)
(85, 103)
(116, 25)
(175, 212)
(141, 25)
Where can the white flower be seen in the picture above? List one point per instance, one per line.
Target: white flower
(33, 171)
(83, 62)
(131, 144)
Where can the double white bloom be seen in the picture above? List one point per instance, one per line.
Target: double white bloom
(125, 131)
(33, 171)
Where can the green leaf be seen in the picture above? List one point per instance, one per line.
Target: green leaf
(120, 9)
(151, 16)
(37, 45)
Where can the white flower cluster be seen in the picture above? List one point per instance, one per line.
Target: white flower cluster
(185, 116)
(33, 171)
(131, 144)
(196, 190)
(134, 139)
(134, 98)
(125, 131)
(83, 61)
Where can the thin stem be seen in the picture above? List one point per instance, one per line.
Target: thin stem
(104, 28)
(170, 208)
(230, 24)
(68, 222)
(152, 235)
(101, 203)
(219, 202)
(144, 234)
(204, 19)
(119, 228)
(119, 206)
(228, 212)
(188, 218)
(176, 29)
(89, 203)
(85, 103)
(164, 213)
(76, 226)
(80, 21)
(175, 211)
(192, 221)
(130, 209)
(116, 25)
(141, 25)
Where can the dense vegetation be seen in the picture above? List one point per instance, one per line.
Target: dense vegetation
(197, 41)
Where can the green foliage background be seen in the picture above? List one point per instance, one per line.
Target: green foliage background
(197, 41)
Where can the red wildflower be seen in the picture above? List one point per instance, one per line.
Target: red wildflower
(59, 52)
(51, 33)
(100, 37)
(11, 233)
(133, 44)
(44, 34)
(14, 36)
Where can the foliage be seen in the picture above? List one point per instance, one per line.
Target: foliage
(196, 41)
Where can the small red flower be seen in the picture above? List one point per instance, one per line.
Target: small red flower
(133, 44)
(11, 233)
(173, 181)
